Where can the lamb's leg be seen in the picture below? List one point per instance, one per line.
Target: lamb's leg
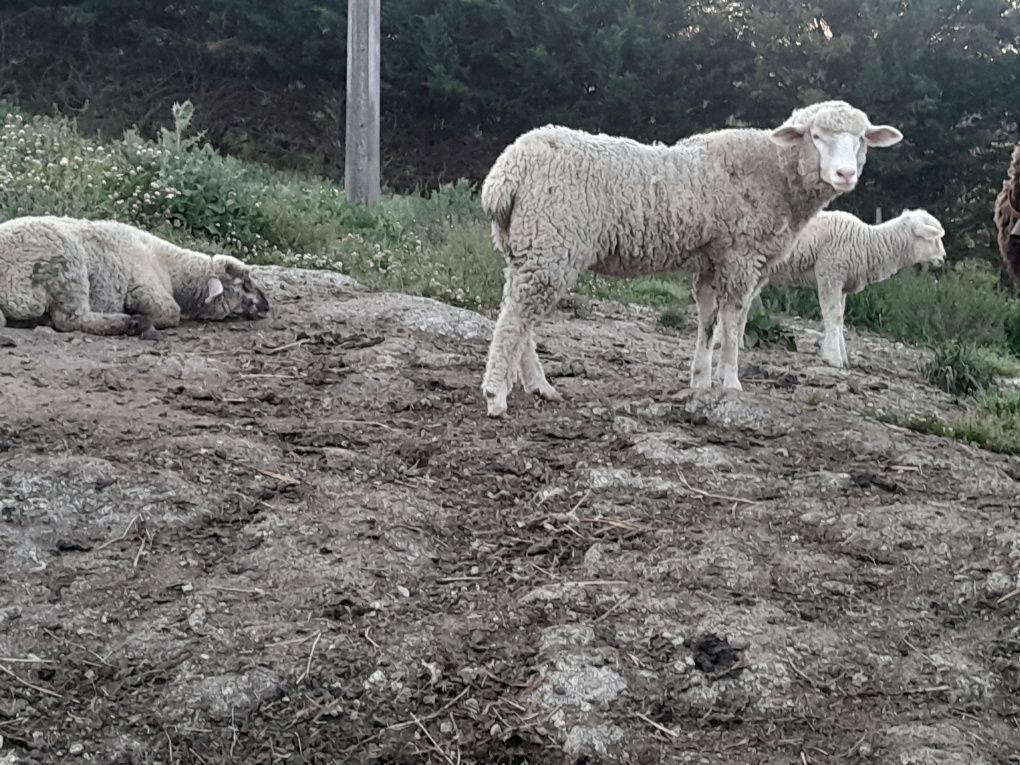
(842, 338)
(708, 308)
(532, 375)
(830, 300)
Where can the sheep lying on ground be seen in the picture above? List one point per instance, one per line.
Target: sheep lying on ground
(839, 254)
(723, 204)
(109, 278)
(1007, 216)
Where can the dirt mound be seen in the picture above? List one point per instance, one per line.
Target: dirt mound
(302, 541)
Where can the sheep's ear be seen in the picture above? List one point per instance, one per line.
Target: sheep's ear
(787, 135)
(881, 136)
(928, 230)
(235, 268)
(1016, 229)
(215, 289)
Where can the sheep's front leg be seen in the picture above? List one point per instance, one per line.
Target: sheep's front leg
(71, 318)
(158, 306)
(830, 300)
(708, 309)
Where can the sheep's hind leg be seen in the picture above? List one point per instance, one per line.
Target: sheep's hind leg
(731, 317)
(708, 310)
(526, 298)
(532, 375)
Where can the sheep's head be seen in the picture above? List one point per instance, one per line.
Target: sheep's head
(833, 139)
(926, 245)
(231, 293)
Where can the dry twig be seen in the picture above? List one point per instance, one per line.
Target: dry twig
(710, 495)
(27, 684)
(311, 653)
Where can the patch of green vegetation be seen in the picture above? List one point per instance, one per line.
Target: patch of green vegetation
(960, 304)
(994, 424)
(672, 292)
(178, 187)
(762, 329)
(960, 369)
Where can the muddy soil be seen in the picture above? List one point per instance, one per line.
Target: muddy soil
(301, 541)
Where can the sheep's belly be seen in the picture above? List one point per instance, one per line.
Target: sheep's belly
(636, 264)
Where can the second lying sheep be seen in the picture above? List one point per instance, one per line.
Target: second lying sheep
(839, 254)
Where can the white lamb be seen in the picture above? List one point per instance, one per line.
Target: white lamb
(839, 254)
(109, 278)
(724, 204)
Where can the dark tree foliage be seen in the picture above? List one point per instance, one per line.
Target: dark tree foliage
(944, 71)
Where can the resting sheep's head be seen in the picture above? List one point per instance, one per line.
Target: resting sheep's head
(232, 293)
(833, 139)
(926, 243)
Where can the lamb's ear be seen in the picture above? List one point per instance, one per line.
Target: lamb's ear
(787, 135)
(1015, 231)
(215, 289)
(881, 136)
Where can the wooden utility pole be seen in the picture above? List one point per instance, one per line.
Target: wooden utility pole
(361, 155)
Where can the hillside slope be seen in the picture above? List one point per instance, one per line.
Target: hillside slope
(301, 540)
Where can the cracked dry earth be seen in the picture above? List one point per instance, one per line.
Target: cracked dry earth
(301, 541)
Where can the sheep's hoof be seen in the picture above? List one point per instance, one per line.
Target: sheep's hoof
(495, 403)
(733, 385)
(547, 392)
(836, 363)
(141, 326)
(701, 381)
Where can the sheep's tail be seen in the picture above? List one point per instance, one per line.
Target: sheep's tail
(499, 193)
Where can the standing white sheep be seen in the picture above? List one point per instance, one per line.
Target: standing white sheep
(109, 278)
(839, 254)
(724, 204)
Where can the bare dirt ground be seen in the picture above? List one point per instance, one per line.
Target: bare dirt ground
(301, 541)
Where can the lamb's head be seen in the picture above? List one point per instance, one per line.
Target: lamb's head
(926, 247)
(832, 138)
(232, 293)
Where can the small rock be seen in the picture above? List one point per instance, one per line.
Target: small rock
(76, 748)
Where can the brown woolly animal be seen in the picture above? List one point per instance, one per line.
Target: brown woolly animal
(1007, 217)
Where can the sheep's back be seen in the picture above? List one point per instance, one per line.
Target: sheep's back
(618, 205)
